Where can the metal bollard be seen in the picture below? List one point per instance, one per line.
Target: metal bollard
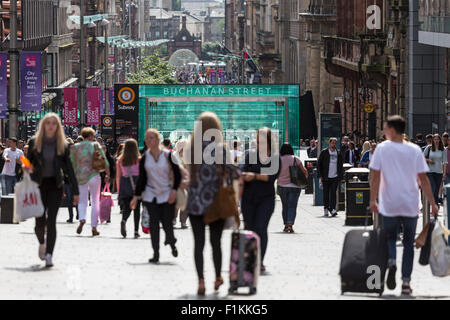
(425, 210)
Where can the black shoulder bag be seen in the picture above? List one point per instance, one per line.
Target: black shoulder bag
(297, 176)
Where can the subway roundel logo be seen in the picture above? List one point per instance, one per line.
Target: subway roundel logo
(126, 95)
(107, 121)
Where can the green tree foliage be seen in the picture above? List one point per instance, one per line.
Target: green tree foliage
(153, 70)
(209, 47)
(221, 26)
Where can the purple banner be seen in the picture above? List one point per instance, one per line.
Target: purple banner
(221, 76)
(212, 76)
(111, 100)
(3, 114)
(3, 81)
(30, 81)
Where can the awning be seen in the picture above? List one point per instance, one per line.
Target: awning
(47, 96)
(111, 39)
(68, 83)
(67, 45)
(93, 18)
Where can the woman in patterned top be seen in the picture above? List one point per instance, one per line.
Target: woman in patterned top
(203, 187)
(89, 180)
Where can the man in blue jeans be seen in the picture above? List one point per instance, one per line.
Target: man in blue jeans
(397, 166)
(12, 157)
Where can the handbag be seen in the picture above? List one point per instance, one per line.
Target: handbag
(224, 205)
(98, 161)
(422, 238)
(127, 186)
(182, 194)
(297, 176)
(424, 258)
(145, 221)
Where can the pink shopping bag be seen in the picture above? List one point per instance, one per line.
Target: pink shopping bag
(106, 203)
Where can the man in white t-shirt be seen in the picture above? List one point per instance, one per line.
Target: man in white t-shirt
(397, 166)
(12, 157)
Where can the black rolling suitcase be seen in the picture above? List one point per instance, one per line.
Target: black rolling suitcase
(364, 261)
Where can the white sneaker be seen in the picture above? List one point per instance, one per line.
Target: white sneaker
(42, 248)
(325, 212)
(48, 261)
(334, 213)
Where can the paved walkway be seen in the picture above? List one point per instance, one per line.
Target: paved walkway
(303, 265)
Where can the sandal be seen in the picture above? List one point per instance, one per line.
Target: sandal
(290, 229)
(218, 283)
(80, 227)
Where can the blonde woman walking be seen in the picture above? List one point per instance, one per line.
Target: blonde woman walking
(157, 191)
(49, 155)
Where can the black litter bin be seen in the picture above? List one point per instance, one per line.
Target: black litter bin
(357, 196)
(310, 165)
(7, 209)
(361, 173)
(340, 206)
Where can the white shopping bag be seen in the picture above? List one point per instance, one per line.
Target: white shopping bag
(27, 199)
(440, 251)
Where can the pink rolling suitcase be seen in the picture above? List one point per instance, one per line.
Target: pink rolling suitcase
(245, 261)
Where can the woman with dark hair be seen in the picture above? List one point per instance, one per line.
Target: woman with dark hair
(260, 170)
(436, 157)
(126, 180)
(289, 192)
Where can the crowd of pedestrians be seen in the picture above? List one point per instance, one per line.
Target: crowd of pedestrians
(399, 168)
(167, 180)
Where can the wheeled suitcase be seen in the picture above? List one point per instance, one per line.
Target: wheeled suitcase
(245, 261)
(364, 261)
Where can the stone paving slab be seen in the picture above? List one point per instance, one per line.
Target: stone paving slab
(303, 265)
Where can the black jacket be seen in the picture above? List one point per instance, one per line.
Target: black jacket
(142, 180)
(257, 189)
(62, 164)
(323, 164)
(356, 157)
(312, 153)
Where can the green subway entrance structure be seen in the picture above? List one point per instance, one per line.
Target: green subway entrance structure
(173, 109)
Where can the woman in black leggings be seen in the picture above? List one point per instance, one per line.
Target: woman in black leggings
(49, 156)
(202, 189)
(215, 235)
(258, 198)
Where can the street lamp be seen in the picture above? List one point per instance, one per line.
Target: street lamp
(105, 24)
